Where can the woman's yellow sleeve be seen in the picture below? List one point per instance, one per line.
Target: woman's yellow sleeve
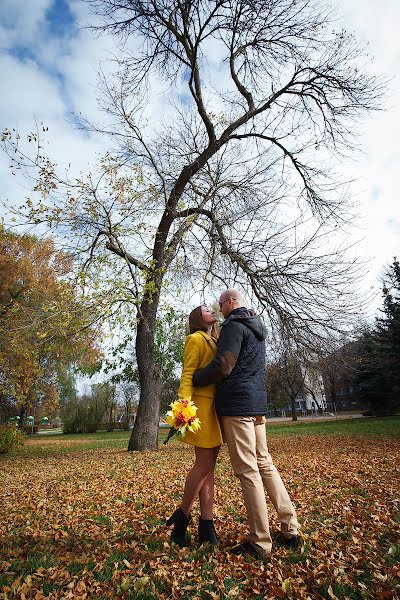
(190, 365)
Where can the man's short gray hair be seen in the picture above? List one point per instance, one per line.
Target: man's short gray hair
(232, 293)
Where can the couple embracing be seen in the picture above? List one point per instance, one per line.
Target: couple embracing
(225, 378)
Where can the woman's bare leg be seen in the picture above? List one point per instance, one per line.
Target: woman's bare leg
(206, 493)
(204, 463)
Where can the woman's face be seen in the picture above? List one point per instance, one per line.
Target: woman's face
(208, 315)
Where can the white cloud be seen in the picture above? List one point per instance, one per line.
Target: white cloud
(28, 92)
(21, 21)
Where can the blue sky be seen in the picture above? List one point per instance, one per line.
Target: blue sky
(48, 66)
(59, 19)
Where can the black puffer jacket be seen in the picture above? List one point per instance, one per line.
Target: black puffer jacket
(238, 368)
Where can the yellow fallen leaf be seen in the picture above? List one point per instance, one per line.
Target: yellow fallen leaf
(125, 584)
(127, 563)
(141, 583)
(286, 585)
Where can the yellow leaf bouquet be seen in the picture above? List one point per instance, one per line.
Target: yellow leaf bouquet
(182, 418)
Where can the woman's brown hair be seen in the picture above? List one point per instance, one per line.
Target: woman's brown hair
(196, 323)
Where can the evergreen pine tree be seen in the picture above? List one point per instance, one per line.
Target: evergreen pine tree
(378, 369)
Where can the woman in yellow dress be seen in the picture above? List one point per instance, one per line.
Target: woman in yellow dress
(200, 349)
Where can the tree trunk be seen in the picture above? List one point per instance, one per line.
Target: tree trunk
(332, 390)
(145, 433)
(127, 411)
(294, 412)
(22, 415)
(314, 398)
(110, 418)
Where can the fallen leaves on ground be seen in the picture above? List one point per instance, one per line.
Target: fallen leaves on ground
(90, 524)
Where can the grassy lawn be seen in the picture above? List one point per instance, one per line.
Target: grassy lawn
(383, 426)
(83, 518)
(42, 445)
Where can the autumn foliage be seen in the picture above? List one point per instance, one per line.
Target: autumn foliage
(44, 323)
(82, 518)
(10, 438)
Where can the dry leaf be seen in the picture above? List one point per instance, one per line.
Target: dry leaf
(108, 510)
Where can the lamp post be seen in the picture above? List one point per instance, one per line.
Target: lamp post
(31, 421)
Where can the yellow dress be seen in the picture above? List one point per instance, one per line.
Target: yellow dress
(200, 349)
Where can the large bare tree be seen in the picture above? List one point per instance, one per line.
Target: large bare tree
(233, 179)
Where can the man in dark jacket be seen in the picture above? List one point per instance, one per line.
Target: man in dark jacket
(238, 369)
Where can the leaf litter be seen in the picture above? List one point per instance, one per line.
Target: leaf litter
(90, 524)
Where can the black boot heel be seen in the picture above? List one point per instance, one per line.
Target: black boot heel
(180, 522)
(207, 532)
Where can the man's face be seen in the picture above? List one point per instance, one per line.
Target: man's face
(225, 305)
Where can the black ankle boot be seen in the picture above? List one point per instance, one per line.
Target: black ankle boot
(180, 522)
(207, 532)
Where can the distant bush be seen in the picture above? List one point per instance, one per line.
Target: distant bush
(75, 417)
(10, 438)
(84, 414)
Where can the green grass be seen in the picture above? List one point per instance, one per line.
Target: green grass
(75, 568)
(41, 445)
(36, 560)
(49, 445)
(154, 545)
(392, 556)
(343, 591)
(369, 426)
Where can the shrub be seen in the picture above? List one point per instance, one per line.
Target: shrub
(74, 416)
(10, 438)
(82, 415)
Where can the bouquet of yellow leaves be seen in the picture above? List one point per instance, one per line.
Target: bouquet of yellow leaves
(182, 418)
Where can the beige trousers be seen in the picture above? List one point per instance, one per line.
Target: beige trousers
(252, 464)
